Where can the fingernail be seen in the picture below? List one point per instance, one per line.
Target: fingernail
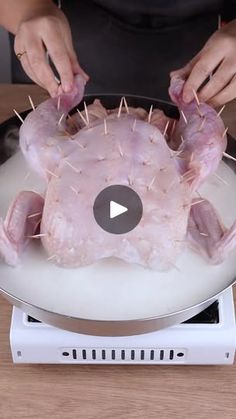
(67, 87)
(85, 75)
(187, 97)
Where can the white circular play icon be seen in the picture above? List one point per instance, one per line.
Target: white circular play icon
(116, 209)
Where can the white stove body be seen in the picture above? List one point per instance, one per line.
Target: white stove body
(195, 343)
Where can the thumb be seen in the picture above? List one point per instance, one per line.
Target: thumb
(185, 71)
(182, 73)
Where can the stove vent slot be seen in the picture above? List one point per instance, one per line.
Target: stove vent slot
(123, 355)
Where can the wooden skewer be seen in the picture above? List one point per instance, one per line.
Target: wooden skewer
(151, 183)
(120, 150)
(130, 180)
(105, 126)
(55, 77)
(201, 233)
(86, 113)
(26, 176)
(67, 134)
(187, 179)
(225, 132)
(126, 105)
(18, 115)
(59, 149)
(72, 167)
(197, 202)
(228, 156)
(52, 174)
(37, 236)
(166, 128)
(220, 178)
(72, 121)
(184, 117)
(58, 103)
(221, 110)
(51, 257)
(34, 215)
(173, 128)
(202, 123)
(199, 112)
(190, 171)
(120, 107)
(196, 96)
(82, 117)
(61, 118)
(80, 145)
(188, 175)
(199, 195)
(31, 102)
(74, 190)
(134, 125)
(150, 114)
(176, 153)
(38, 223)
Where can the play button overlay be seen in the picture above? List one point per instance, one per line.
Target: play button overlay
(118, 209)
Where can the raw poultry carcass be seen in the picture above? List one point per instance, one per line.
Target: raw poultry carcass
(118, 148)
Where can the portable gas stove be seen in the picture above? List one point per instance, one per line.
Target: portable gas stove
(208, 338)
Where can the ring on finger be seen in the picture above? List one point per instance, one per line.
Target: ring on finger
(19, 54)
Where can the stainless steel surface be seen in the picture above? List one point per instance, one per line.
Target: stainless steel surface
(109, 328)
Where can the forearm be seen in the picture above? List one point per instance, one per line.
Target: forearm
(13, 12)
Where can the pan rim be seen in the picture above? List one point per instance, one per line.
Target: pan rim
(144, 319)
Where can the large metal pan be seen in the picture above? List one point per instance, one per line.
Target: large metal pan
(111, 298)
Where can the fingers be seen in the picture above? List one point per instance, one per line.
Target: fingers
(59, 55)
(218, 56)
(218, 81)
(184, 71)
(226, 95)
(181, 72)
(25, 63)
(34, 63)
(41, 69)
(52, 34)
(207, 62)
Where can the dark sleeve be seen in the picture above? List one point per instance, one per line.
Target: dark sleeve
(229, 10)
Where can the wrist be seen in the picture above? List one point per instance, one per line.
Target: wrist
(24, 11)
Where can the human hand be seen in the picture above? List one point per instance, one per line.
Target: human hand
(48, 29)
(216, 61)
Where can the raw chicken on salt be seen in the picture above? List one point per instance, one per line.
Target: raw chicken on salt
(111, 148)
